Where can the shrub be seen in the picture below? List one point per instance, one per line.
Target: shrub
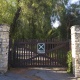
(69, 62)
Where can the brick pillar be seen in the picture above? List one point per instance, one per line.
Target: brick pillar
(75, 46)
(4, 45)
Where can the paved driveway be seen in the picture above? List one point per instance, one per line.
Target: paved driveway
(37, 74)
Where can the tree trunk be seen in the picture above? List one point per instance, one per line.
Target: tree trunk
(14, 23)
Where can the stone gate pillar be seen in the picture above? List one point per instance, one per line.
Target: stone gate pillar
(4, 45)
(75, 46)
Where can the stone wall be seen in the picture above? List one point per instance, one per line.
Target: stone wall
(75, 46)
(4, 46)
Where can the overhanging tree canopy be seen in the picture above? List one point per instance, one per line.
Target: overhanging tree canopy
(30, 19)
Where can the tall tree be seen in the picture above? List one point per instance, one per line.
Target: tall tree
(15, 19)
(67, 15)
(7, 10)
(31, 18)
(35, 18)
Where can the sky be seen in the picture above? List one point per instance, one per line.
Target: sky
(74, 1)
(57, 23)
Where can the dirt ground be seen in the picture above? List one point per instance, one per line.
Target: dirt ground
(43, 73)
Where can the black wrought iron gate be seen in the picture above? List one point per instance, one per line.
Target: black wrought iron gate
(36, 53)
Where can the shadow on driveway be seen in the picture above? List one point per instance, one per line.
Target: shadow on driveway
(37, 74)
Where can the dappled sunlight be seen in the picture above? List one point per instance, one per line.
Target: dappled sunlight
(43, 73)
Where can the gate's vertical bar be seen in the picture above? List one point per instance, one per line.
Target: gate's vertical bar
(24, 53)
(51, 53)
(17, 55)
(10, 58)
(19, 52)
(31, 52)
(14, 53)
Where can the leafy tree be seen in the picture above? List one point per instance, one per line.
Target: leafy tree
(34, 19)
(30, 19)
(68, 16)
(7, 10)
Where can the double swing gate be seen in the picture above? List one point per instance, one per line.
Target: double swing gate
(36, 53)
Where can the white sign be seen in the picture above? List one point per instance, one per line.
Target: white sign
(41, 48)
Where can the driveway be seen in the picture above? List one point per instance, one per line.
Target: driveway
(37, 74)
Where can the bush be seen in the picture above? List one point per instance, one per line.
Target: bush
(69, 62)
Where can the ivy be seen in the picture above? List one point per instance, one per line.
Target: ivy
(69, 62)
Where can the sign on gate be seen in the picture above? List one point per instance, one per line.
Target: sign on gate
(41, 48)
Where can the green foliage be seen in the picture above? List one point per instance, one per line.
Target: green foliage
(33, 20)
(68, 15)
(69, 62)
(7, 10)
